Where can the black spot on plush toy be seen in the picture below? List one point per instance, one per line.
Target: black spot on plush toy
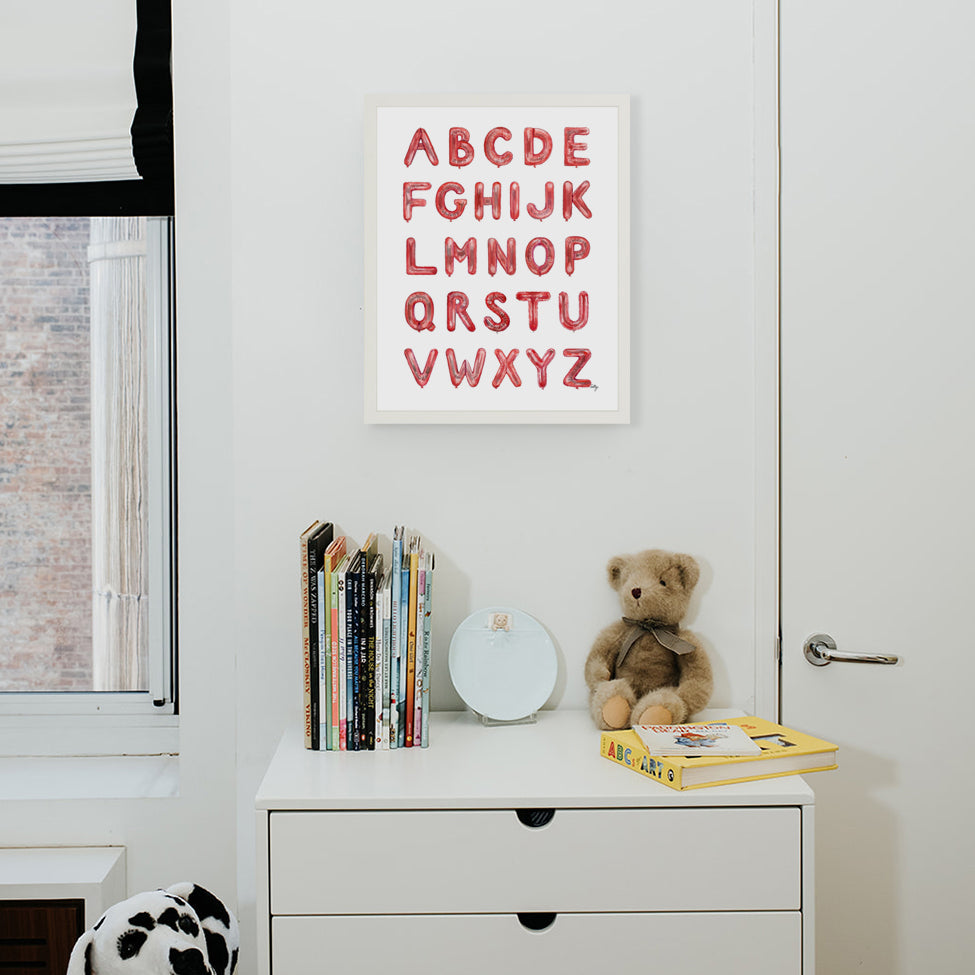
(183, 930)
(645, 669)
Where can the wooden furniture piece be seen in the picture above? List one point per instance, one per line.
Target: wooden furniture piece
(520, 849)
(48, 897)
(36, 937)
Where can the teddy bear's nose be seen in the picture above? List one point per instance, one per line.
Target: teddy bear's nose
(636, 593)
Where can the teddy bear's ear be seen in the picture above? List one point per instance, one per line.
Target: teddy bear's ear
(689, 570)
(615, 569)
(80, 961)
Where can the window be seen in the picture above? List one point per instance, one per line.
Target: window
(87, 469)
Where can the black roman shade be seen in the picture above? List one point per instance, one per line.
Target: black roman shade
(86, 110)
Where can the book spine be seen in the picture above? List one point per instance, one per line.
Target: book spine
(343, 662)
(427, 652)
(369, 682)
(394, 647)
(388, 657)
(334, 651)
(635, 758)
(404, 615)
(421, 609)
(354, 717)
(324, 664)
(411, 645)
(313, 643)
(305, 637)
(384, 628)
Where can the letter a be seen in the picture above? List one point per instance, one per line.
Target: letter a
(422, 141)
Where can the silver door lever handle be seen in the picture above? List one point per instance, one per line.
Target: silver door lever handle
(820, 650)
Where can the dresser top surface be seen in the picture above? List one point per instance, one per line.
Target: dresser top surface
(553, 763)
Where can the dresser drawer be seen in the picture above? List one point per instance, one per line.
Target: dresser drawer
(583, 860)
(756, 944)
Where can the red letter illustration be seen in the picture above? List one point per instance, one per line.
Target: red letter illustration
(570, 324)
(473, 376)
(549, 249)
(461, 150)
(506, 368)
(541, 365)
(490, 146)
(572, 147)
(533, 298)
(422, 141)
(576, 248)
(466, 253)
(411, 266)
(514, 200)
(459, 206)
(507, 260)
(422, 376)
(503, 320)
(419, 298)
(409, 202)
(457, 308)
(479, 201)
(536, 156)
(533, 210)
(572, 376)
(572, 197)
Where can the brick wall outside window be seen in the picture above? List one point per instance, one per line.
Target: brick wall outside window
(45, 465)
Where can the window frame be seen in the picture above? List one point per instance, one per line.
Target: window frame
(128, 722)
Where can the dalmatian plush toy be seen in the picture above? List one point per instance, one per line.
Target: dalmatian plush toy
(183, 930)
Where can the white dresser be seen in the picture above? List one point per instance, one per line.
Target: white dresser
(519, 849)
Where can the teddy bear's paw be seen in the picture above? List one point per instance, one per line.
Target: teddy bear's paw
(656, 714)
(616, 712)
(664, 702)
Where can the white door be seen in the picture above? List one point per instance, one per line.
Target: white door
(878, 492)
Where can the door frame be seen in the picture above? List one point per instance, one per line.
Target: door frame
(767, 648)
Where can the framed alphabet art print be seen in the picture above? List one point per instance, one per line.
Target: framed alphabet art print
(497, 259)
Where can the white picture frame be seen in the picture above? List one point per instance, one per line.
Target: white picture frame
(497, 259)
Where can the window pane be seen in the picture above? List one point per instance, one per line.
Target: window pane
(74, 398)
(45, 455)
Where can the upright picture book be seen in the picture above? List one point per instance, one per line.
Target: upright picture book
(782, 751)
(312, 543)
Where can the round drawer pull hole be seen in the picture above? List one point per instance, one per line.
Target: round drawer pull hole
(533, 818)
(537, 920)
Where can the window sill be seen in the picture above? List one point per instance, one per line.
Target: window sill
(70, 736)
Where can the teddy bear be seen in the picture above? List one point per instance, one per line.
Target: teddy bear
(182, 930)
(645, 669)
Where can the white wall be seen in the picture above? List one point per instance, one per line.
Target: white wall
(270, 256)
(536, 528)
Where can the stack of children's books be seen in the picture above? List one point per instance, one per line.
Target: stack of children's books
(692, 756)
(366, 645)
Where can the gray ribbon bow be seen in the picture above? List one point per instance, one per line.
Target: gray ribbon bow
(665, 636)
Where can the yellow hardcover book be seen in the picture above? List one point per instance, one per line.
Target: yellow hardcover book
(784, 752)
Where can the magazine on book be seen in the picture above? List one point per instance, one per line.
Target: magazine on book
(713, 738)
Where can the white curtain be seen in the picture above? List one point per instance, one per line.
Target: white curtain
(67, 94)
(119, 476)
